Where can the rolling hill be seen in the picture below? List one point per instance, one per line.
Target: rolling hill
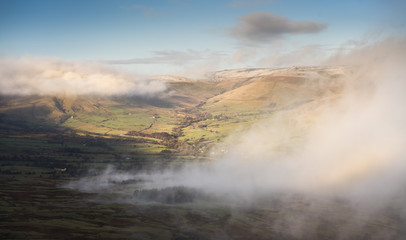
(190, 117)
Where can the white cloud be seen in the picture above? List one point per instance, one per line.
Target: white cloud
(50, 76)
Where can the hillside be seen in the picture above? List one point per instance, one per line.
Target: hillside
(190, 118)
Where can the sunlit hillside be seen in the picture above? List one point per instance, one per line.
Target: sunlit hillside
(191, 116)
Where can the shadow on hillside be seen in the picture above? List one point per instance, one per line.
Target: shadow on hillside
(156, 102)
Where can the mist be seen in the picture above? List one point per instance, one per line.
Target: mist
(352, 149)
(52, 76)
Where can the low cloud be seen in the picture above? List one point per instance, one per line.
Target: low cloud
(354, 149)
(260, 27)
(51, 76)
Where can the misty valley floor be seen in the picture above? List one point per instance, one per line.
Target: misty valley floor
(39, 208)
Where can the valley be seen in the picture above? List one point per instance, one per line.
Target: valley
(189, 119)
(48, 142)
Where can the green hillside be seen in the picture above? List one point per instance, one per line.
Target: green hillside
(188, 120)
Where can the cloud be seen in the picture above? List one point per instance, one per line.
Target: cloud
(260, 27)
(51, 76)
(356, 144)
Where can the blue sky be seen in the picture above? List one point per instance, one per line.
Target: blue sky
(191, 37)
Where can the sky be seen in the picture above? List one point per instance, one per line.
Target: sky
(190, 38)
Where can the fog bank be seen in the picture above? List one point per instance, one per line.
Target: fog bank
(355, 147)
(52, 76)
